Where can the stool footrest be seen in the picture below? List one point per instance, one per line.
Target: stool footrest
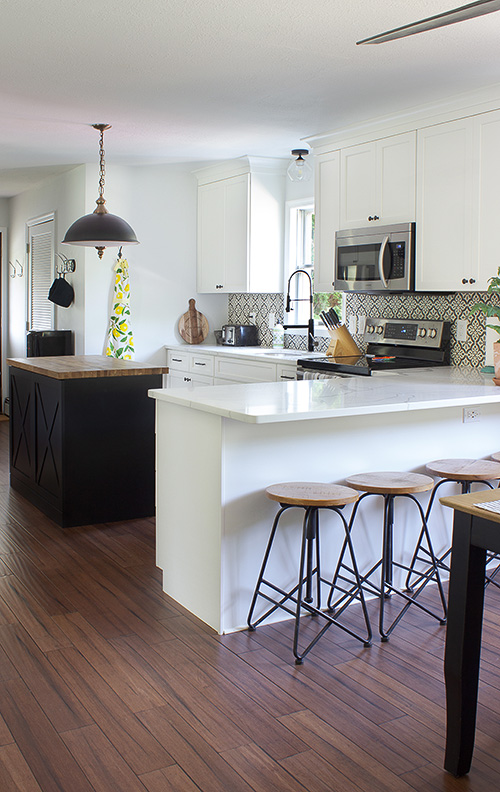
(304, 598)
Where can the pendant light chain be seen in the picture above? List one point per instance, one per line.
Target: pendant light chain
(102, 169)
(101, 209)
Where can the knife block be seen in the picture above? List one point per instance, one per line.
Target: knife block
(342, 343)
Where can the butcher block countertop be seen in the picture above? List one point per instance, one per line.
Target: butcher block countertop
(84, 366)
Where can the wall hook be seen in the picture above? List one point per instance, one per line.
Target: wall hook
(68, 265)
(21, 273)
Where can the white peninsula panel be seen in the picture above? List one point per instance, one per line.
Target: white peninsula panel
(219, 448)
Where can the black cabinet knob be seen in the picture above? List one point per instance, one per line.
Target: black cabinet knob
(472, 280)
(464, 280)
(375, 217)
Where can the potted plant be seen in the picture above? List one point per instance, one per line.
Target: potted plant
(490, 311)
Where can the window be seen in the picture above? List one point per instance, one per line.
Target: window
(40, 235)
(300, 255)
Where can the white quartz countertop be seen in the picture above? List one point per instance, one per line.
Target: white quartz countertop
(254, 352)
(383, 392)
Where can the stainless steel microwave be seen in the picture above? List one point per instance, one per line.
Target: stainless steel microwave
(375, 259)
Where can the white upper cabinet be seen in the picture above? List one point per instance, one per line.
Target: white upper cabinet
(240, 227)
(487, 144)
(377, 182)
(327, 218)
(445, 184)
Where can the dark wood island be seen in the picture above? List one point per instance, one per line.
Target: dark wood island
(82, 437)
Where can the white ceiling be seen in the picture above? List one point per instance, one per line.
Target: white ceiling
(196, 80)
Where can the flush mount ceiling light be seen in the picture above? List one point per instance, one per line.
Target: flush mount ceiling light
(100, 229)
(299, 169)
(459, 14)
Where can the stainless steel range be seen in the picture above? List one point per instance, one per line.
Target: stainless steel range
(391, 344)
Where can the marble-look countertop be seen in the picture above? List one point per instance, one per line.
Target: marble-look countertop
(383, 392)
(273, 354)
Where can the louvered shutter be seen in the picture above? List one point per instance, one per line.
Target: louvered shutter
(41, 268)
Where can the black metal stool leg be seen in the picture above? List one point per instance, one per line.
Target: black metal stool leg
(260, 579)
(411, 599)
(414, 577)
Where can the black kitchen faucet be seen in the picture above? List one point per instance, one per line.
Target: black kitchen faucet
(310, 325)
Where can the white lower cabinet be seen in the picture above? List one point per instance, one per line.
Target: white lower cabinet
(188, 369)
(286, 373)
(239, 370)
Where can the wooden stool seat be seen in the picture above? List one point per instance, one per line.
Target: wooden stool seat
(389, 483)
(465, 469)
(308, 493)
(304, 598)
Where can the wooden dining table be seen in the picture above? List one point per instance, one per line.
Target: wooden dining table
(475, 531)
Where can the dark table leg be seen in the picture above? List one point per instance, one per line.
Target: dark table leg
(463, 645)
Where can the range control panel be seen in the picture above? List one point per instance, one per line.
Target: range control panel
(410, 332)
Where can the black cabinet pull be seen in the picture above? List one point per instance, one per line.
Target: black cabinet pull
(375, 217)
(472, 280)
(464, 280)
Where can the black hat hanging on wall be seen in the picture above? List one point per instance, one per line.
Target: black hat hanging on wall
(61, 292)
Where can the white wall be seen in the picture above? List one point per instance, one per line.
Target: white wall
(4, 212)
(162, 208)
(160, 203)
(63, 195)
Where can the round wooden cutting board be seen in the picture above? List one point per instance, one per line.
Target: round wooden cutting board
(193, 326)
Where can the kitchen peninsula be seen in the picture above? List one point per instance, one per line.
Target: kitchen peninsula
(218, 448)
(82, 436)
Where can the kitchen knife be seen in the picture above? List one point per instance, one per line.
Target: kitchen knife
(326, 320)
(334, 317)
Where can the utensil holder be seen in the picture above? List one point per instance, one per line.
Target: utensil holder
(342, 343)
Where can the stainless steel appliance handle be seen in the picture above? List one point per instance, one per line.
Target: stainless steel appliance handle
(381, 261)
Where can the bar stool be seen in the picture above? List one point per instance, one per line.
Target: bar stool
(392, 485)
(459, 471)
(311, 497)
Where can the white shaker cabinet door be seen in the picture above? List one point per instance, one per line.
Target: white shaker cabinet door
(487, 138)
(445, 190)
(327, 219)
(211, 225)
(378, 182)
(357, 186)
(223, 235)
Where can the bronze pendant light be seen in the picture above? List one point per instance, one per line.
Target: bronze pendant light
(100, 229)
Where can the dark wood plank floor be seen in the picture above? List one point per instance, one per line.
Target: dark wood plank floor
(106, 685)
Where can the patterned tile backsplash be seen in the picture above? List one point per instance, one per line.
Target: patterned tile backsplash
(447, 307)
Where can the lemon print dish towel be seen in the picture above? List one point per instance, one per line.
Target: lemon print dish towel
(120, 338)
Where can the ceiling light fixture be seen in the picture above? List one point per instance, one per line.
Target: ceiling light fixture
(299, 169)
(100, 229)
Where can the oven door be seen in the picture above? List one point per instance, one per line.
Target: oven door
(369, 260)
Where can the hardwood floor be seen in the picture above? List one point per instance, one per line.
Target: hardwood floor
(106, 685)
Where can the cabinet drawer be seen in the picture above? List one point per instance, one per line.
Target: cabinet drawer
(201, 364)
(179, 379)
(245, 371)
(286, 373)
(178, 360)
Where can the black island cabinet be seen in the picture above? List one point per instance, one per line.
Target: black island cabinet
(82, 437)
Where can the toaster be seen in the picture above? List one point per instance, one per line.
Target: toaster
(240, 335)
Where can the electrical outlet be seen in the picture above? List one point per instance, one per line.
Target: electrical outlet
(352, 324)
(361, 324)
(461, 329)
(271, 321)
(471, 415)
